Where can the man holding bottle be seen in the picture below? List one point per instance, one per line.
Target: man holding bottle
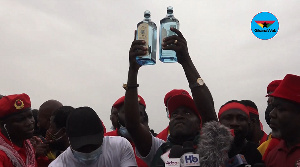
(185, 119)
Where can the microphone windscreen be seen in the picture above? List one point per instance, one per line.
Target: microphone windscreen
(176, 151)
(188, 146)
(165, 147)
(214, 143)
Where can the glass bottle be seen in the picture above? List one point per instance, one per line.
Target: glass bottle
(147, 30)
(167, 56)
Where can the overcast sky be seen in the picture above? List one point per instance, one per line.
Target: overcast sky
(76, 51)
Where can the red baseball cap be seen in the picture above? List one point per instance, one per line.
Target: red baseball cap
(273, 85)
(183, 99)
(173, 93)
(121, 100)
(289, 88)
(13, 104)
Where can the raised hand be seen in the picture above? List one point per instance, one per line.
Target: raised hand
(137, 49)
(178, 44)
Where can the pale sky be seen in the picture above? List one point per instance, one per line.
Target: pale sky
(76, 51)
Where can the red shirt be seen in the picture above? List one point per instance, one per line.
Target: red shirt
(5, 161)
(139, 162)
(282, 156)
(163, 134)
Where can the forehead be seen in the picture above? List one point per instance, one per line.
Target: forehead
(233, 112)
(184, 109)
(284, 103)
(20, 114)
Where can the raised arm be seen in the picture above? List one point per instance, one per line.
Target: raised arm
(140, 135)
(201, 94)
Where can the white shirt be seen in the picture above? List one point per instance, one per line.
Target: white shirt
(156, 143)
(117, 151)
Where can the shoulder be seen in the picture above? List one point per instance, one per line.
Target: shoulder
(115, 142)
(111, 133)
(114, 139)
(63, 159)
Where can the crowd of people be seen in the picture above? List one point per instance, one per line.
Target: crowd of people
(56, 135)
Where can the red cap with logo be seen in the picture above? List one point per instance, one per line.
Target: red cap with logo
(121, 100)
(289, 88)
(14, 103)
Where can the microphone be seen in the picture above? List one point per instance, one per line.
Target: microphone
(236, 161)
(189, 158)
(174, 156)
(214, 144)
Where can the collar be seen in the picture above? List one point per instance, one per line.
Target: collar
(282, 146)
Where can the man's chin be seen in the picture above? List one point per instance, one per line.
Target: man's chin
(276, 133)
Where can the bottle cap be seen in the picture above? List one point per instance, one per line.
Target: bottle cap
(169, 9)
(147, 14)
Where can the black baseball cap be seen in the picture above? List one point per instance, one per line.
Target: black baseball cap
(84, 127)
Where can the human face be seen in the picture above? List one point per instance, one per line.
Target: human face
(114, 117)
(20, 126)
(237, 120)
(285, 116)
(274, 126)
(43, 121)
(183, 122)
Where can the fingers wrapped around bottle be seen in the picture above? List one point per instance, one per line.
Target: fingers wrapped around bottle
(176, 43)
(137, 48)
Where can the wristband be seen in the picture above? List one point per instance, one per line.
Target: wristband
(126, 87)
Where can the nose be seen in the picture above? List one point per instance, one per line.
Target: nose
(234, 124)
(29, 121)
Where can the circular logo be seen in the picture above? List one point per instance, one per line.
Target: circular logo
(19, 104)
(264, 25)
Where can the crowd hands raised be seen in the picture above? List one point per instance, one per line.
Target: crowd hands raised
(62, 136)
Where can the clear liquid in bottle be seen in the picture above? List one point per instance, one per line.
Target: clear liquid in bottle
(167, 56)
(147, 30)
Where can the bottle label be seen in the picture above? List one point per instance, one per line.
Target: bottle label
(143, 33)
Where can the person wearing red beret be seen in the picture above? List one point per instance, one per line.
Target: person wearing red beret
(187, 114)
(17, 127)
(286, 116)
